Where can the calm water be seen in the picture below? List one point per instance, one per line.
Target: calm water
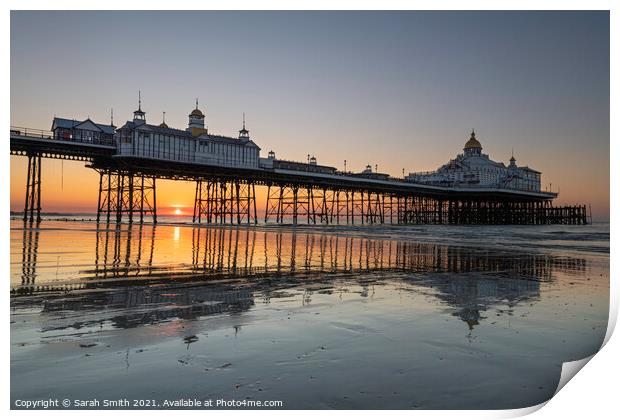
(317, 317)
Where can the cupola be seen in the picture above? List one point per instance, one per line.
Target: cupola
(196, 118)
(243, 133)
(196, 122)
(473, 146)
(139, 116)
(513, 162)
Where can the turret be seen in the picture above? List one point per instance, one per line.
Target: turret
(139, 116)
(243, 133)
(196, 121)
(513, 162)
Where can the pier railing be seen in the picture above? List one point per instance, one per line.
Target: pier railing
(104, 140)
(31, 132)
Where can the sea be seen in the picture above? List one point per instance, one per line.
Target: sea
(301, 317)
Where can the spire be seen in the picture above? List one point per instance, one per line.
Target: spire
(163, 120)
(139, 115)
(243, 133)
(513, 161)
(112, 117)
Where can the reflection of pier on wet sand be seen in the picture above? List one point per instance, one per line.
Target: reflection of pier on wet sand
(126, 254)
(231, 267)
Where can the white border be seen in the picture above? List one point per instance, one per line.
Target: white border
(592, 394)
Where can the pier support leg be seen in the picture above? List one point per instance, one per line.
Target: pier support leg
(218, 201)
(126, 193)
(32, 206)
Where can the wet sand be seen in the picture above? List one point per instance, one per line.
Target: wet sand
(314, 317)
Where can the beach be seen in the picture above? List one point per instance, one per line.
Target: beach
(317, 317)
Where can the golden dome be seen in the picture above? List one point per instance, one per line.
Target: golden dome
(196, 112)
(472, 143)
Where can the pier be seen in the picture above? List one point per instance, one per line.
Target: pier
(129, 165)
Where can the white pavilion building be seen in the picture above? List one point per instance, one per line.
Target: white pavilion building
(475, 169)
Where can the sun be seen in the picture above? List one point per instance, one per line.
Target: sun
(178, 212)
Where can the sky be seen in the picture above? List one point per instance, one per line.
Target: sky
(400, 90)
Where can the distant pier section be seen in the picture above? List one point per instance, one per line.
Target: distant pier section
(470, 189)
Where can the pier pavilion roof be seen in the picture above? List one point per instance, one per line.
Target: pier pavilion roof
(73, 124)
(130, 125)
